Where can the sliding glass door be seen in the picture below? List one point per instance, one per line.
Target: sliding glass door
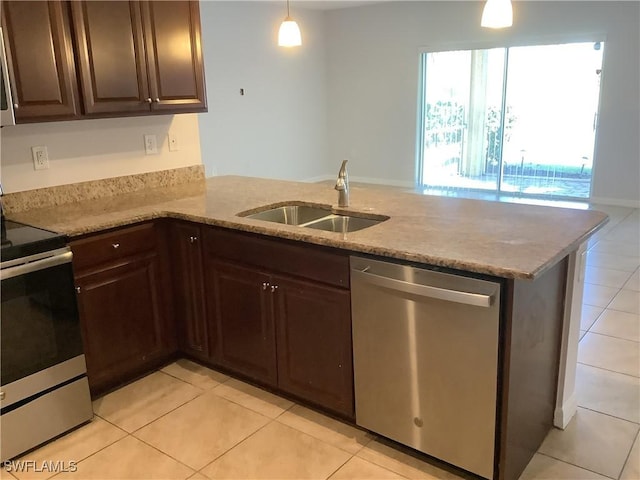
(519, 120)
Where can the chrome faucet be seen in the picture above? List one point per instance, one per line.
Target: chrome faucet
(342, 185)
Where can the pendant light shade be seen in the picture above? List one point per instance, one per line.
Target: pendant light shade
(289, 33)
(497, 14)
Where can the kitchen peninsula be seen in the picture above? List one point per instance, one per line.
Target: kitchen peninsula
(503, 239)
(529, 250)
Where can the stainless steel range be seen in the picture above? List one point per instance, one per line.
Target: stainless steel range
(43, 385)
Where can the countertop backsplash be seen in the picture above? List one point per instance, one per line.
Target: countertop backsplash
(97, 189)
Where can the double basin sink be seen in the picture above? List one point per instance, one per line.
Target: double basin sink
(318, 217)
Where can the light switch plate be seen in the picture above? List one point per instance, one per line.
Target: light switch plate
(150, 145)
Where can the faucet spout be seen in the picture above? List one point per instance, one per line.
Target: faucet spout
(342, 185)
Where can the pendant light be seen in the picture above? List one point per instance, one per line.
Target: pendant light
(497, 14)
(289, 33)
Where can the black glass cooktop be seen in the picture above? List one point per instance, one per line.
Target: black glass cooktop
(20, 240)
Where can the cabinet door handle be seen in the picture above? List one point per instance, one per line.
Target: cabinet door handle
(148, 100)
(265, 285)
(157, 100)
(274, 288)
(78, 289)
(115, 245)
(15, 105)
(193, 239)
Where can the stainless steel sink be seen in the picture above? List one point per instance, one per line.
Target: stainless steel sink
(291, 214)
(318, 217)
(343, 223)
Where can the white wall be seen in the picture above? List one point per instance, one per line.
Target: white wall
(85, 150)
(372, 70)
(349, 92)
(278, 128)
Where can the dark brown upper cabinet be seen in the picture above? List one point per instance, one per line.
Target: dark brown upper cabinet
(174, 55)
(139, 57)
(40, 59)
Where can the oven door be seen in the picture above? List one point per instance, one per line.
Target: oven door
(44, 390)
(40, 329)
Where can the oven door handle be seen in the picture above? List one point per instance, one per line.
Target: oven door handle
(36, 265)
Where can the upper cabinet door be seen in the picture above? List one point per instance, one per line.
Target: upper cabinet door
(174, 55)
(40, 59)
(111, 56)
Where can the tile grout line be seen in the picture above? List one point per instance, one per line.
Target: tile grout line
(328, 477)
(611, 416)
(91, 454)
(608, 370)
(194, 470)
(271, 420)
(611, 336)
(132, 433)
(251, 409)
(576, 465)
(318, 438)
(637, 439)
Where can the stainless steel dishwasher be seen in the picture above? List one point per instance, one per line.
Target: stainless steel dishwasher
(425, 352)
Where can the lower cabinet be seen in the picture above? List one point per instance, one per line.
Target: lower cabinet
(313, 324)
(281, 316)
(242, 319)
(188, 289)
(122, 301)
(274, 311)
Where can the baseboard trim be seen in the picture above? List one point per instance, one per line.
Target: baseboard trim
(369, 180)
(616, 202)
(565, 412)
(383, 181)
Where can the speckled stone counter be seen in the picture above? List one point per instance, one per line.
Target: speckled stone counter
(502, 239)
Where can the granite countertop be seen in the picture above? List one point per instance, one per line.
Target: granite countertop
(502, 239)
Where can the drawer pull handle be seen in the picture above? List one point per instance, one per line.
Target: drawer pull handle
(157, 100)
(274, 288)
(148, 100)
(265, 285)
(193, 239)
(115, 245)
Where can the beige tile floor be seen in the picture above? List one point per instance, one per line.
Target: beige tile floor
(186, 421)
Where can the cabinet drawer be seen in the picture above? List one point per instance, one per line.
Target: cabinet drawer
(279, 256)
(112, 246)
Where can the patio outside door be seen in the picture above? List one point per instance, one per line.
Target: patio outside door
(517, 120)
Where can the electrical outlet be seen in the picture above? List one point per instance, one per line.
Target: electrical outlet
(40, 158)
(173, 142)
(150, 145)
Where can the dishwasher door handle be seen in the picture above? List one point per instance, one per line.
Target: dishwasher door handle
(457, 296)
